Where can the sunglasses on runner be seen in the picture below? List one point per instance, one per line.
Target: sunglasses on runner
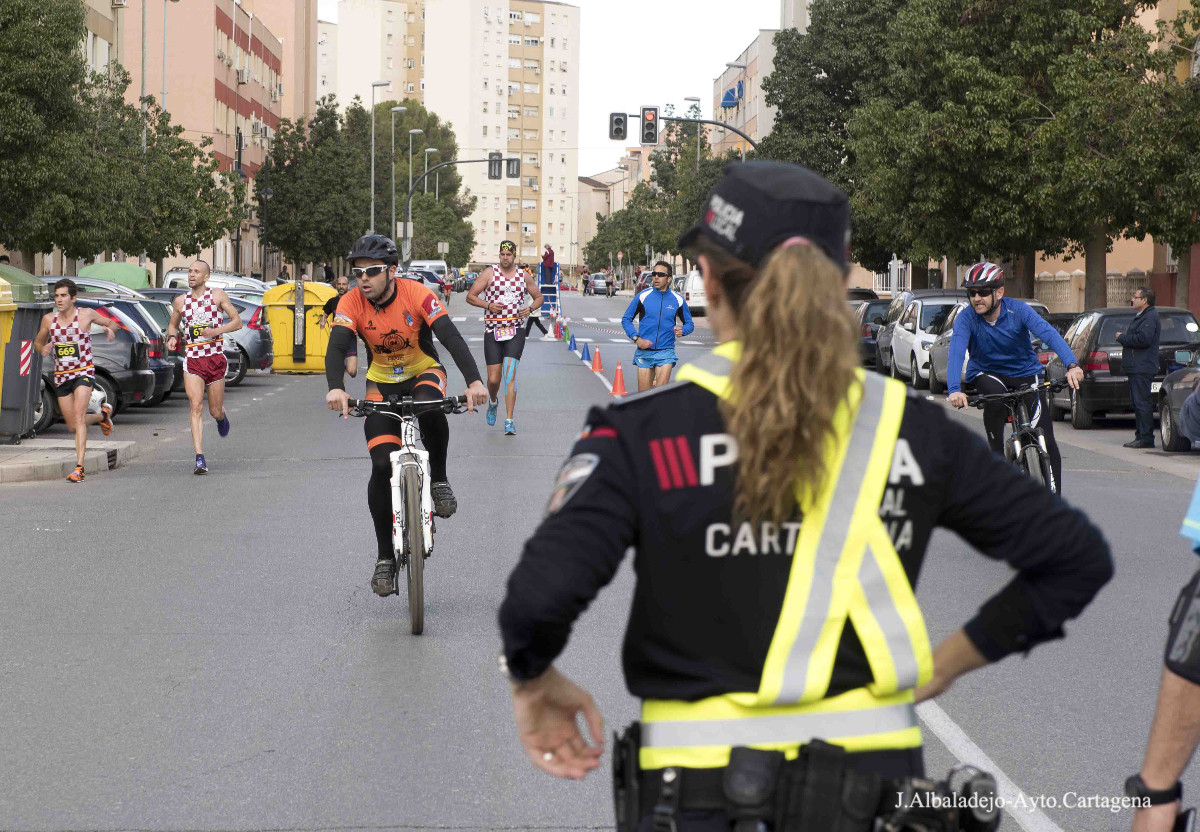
(661, 274)
(369, 271)
(980, 293)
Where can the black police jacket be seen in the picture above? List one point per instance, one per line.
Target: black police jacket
(705, 627)
(1139, 353)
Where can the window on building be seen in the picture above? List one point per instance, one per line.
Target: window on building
(485, 130)
(551, 135)
(533, 17)
(551, 89)
(496, 202)
(514, 112)
(485, 106)
(551, 205)
(496, 226)
(508, 227)
(563, 66)
(552, 66)
(562, 228)
(532, 41)
(529, 204)
(412, 18)
(550, 181)
(411, 65)
(482, 226)
(513, 88)
(485, 86)
(422, 85)
(552, 43)
(564, 43)
(389, 14)
(531, 158)
(549, 228)
(389, 63)
(389, 40)
(514, 63)
(514, 134)
(531, 135)
(412, 87)
(513, 205)
(532, 89)
(563, 114)
(553, 18)
(531, 112)
(528, 228)
(532, 65)
(512, 15)
(551, 112)
(515, 40)
(422, 59)
(485, 11)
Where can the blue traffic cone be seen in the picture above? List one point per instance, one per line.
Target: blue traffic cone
(571, 346)
(587, 359)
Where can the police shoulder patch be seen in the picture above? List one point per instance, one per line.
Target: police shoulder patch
(571, 477)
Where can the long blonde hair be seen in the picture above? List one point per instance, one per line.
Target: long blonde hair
(799, 356)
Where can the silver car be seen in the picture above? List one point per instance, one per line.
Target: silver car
(939, 352)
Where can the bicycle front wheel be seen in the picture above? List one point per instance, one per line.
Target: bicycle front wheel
(414, 535)
(1031, 461)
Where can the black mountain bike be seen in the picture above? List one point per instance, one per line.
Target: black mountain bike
(1026, 447)
(412, 502)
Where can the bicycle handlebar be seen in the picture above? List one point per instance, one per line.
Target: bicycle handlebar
(406, 406)
(1012, 395)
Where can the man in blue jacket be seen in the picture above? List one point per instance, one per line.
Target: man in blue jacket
(1139, 359)
(659, 308)
(997, 331)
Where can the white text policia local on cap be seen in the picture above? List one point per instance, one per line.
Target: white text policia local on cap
(723, 218)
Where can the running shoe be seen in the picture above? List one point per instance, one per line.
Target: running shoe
(383, 581)
(106, 412)
(223, 424)
(201, 465)
(76, 475)
(444, 503)
(491, 412)
(510, 429)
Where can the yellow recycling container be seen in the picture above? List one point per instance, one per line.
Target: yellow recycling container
(305, 354)
(8, 312)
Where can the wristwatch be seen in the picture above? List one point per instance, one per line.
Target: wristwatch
(1073, 364)
(1135, 786)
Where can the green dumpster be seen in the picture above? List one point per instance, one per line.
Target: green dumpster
(20, 363)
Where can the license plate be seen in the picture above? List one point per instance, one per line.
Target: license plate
(1155, 386)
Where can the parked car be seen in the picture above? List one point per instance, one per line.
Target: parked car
(913, 336)
(939, 352)
(139, 310)
(95, 285)
(693, 293)
(1105, 388)
(898, 306)
(122, 369)
(242, 348)
(596, 284)
(431, 279)
(868, 314)
(854, 293)
(177, 279)
(438, 267)
(1176, 387)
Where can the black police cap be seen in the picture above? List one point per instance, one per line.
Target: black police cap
(757, 205)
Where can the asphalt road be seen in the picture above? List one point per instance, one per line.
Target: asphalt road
(179, 652)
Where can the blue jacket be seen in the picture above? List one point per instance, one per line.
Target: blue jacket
(1140, 342)
(1002, 348)
(659, 311)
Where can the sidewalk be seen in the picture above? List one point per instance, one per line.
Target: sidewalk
(53, 459)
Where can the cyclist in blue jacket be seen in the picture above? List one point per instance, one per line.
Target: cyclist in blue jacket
(997, 331)
(659, 307)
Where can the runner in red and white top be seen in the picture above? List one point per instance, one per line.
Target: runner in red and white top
(66, 335)
(198, 312)
(500, 290)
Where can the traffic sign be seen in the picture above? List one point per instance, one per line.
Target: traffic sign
(443, 248)
(620, 255)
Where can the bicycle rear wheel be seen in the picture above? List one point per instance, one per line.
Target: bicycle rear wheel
(1031, 461)
(414, 536)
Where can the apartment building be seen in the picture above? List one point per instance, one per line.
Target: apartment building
(595, 198)
(327, 59)
(506, 77)
(738, 98)
(793, 14)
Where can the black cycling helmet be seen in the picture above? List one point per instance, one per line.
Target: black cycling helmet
(984, 276)
(374, 247)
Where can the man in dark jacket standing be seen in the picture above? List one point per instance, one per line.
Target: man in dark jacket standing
(1139, 358)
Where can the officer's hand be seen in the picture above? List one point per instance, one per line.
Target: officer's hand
(477, 395)
(644, 343)
(546, 710)
(1075, 377)
(678, 331)
(958, 400)
(338, 400)
(1155, 818)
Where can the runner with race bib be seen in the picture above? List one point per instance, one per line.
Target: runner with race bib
(499, 291)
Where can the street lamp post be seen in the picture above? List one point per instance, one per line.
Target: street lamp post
(394, 111)
(416, 131)
(267, 193)
(164, 72)
(696, 100)
(429, 150)
(374, 86)
(408, 230)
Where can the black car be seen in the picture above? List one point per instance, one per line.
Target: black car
(160, 364)
(1105, 388)
(1176, 387)
(122, 366)
(868, 314)
(861, 294)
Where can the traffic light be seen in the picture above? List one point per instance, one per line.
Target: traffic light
(617, 129)
(513, 168)
(495, 165)
(649, 125)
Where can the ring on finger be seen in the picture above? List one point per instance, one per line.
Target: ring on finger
(548, 756)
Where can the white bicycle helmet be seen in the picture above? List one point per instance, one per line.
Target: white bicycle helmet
(983, 276)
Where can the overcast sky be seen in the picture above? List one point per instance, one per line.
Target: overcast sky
(638, 52)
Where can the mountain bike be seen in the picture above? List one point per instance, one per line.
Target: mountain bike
(412, 502)
(1026, 447)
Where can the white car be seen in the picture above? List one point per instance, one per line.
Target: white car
(177, 279)
(693, 293)
(914, 335)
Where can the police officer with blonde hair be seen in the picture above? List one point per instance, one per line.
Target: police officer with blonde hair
(779, 502)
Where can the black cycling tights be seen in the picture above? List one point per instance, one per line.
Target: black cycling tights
(995, 416)
(435, 436)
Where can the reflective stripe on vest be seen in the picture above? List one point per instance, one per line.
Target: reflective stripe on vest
(844, 567)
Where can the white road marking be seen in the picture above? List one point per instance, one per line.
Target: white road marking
(614, 320)
(590, 320)
(607, 384)
(458, 319)
(1028, 816)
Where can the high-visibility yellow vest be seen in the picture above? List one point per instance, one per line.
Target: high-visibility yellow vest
(844, 568)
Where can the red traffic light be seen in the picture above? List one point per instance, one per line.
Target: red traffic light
(651, 115)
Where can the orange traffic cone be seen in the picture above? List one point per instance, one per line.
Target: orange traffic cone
(596, 366)
(619, 382)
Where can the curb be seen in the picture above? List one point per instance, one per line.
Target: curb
(52, 459)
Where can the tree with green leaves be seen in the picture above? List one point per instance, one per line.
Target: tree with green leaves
(319, 204)
(820, 78)
(640, 223)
